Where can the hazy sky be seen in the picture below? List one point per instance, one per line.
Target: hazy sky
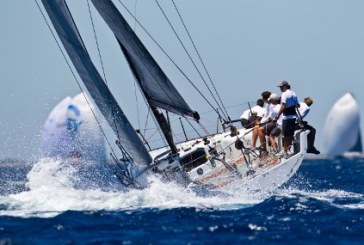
(248, 46)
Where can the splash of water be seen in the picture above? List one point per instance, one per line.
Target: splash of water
(55, 186)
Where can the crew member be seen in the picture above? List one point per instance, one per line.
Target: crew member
(289, 103)
(303, 111)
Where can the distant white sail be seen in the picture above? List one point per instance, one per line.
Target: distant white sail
(54, 138)
(72, 131)
(342, 126)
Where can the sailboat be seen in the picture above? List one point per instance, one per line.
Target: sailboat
(71, 131)
(342, 134)
(215, 161)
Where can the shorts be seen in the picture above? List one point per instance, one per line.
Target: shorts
(288, 127)
(271, 129)
(276, 132)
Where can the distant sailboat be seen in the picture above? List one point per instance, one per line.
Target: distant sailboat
(342, 133)
(72, 131)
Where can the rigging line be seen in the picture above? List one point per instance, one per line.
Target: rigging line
(150, 136)
(188, 54)
(176, 136)
(102, 64)
(193, 128)
(165, 53)
(148, 129)
(137, 102)
(229, 107)
(74, 75)
(204, 129)
(199, 56)
(135, 13)
(241, 104)
(96, 40)
(146, 121)
(146, 102)
(210, 125)
(135, 88)
(156, 140)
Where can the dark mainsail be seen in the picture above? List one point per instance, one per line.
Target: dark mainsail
(157, 88)
(357, 147)
(67, 31)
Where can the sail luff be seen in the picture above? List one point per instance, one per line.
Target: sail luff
(67, 31)
(157, 88)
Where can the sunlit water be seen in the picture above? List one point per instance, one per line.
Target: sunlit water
(55, 201)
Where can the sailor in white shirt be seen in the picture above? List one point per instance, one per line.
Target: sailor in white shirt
(257, 109)
(304, 110)
(272, 126)
(289, 103)
(251, 118)
(268, 111)
(267, 107)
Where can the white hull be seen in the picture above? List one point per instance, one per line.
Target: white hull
(269, 179)
(268, 173)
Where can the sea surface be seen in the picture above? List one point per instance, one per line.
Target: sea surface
(46, 202)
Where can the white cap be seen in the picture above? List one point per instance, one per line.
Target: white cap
(273, 97)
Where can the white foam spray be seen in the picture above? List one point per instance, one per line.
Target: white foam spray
(55, 186)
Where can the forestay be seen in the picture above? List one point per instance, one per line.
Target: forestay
(67, 31)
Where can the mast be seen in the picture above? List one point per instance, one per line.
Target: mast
(166, 128)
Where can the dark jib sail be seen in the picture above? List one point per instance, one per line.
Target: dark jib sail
(67, 31)
(156, 86)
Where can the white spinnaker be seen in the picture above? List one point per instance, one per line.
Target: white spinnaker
(342, 125)
(89, 137)
(54, 138)
(71, 130)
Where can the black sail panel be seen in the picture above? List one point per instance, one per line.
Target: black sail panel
(156, 86)
(357, 147)
(67, 31)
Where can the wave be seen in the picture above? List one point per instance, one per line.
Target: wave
(333, 197)
(54, 186)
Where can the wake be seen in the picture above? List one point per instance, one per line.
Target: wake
(332, 197)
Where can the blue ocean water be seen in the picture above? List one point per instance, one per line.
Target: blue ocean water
(39, 204)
